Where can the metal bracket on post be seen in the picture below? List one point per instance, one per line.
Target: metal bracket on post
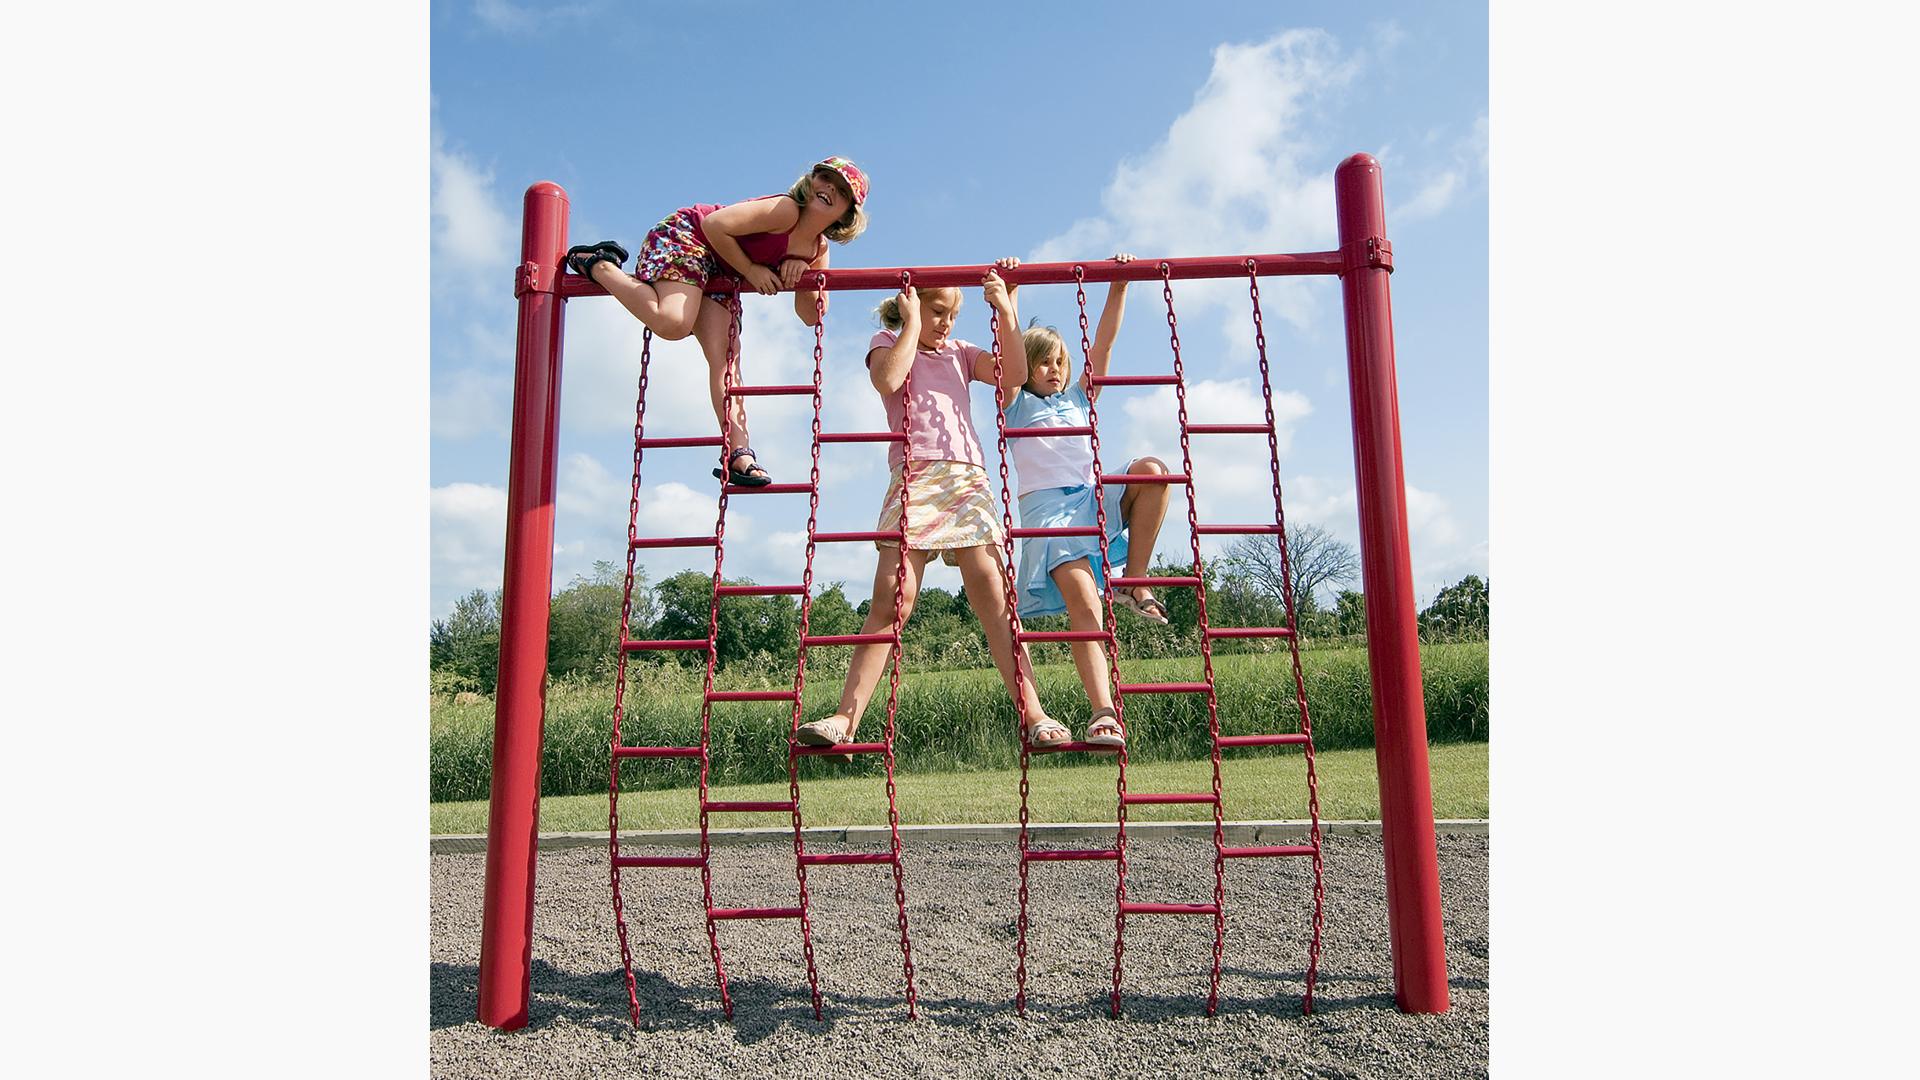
(1375, 252)
(532, 277)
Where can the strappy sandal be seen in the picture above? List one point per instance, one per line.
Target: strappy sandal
(826, 732)
(1103, 729)
(1048, 733)
(1150, 609)
(755, 476)
(581, 257)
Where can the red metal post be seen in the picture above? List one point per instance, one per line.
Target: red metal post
(1393, 645)
(513, 811)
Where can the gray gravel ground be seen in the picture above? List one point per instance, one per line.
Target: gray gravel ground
(960, 909)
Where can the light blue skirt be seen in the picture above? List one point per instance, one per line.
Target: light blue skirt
(1064, 507)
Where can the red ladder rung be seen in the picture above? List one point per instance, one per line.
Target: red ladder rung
(655, 751)
(1048, 432)
(718, 914)
(659, 860)
(770, 391)
(1129, 907)
(1132, 380)
(761, 590)
(861, 436)
(748, 806)
(1065, 747)
(1143, 478)
(770, 489)
(1169, 797)
(1235, 530)
(665, 645)
(673, 541)
(680, 440)
(1055, 530)
(1266, 852)
(846, 537)
(1072, 855)
(847, 639)
(1229, 429)
(841, 748)
(1248, 631)
(1264, 740)
(1063, 635)
(1164, 688)
(846, 858)
(1152, 582)
(750, 695)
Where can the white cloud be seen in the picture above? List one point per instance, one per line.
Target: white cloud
(473, 239)
(1440, 186)
(1428, 520)
(1432, 199)
(1231, 472)
(1238, 172)
(504, 17)
(469, 523)
(471, 403)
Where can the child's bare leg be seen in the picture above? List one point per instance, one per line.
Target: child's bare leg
(1143, 508)
(1084, 612)
(669, 308)
(986, 594)
(713, 331)
(869, 661)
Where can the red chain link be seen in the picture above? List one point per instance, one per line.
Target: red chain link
(1113, 653)
(1206, 649)
(893, 674)
(713, 646)
(800, 661)
(620, 687)
(1293, 639)
(1007, 573)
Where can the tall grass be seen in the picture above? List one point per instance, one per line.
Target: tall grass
(947, 720)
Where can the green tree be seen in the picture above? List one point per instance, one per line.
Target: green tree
(1315, 560)
(1350, 613)
(831, 614)
(583, 632)
(467, 642)
(748, 624)
(1460, 611)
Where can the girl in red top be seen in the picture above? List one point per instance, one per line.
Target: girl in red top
(765, 243)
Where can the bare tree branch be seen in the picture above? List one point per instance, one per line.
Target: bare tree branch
(1317, 561)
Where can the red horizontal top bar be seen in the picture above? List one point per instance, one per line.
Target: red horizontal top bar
(1055, 273)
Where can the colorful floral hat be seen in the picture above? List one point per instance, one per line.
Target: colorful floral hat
(856, 180)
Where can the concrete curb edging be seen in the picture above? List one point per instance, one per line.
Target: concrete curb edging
(1237, 832)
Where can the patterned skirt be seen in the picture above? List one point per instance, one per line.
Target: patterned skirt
(950, 505)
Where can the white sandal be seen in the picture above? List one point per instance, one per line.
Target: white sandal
(1114, 737)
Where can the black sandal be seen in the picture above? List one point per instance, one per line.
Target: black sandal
(581, 257)
(756, 478)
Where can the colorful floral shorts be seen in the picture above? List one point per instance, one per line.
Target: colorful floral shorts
(950, 505)
(672, 251)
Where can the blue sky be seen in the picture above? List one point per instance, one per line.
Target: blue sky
(1047, 135)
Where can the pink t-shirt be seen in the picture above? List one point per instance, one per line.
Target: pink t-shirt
(942, 425)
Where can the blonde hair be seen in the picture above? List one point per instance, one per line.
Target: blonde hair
(889, 309)
(851, 224)
(1040, 342)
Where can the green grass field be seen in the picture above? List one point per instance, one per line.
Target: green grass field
(1259, 785)
(949, 721)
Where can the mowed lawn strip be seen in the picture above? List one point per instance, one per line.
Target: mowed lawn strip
(1259, 785)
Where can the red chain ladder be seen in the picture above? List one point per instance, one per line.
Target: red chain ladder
(809, 639)
(709, 695)
(1021, 636)
(1208, 634)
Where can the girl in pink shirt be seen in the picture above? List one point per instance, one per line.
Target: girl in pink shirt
(765, 244)
(950, 504)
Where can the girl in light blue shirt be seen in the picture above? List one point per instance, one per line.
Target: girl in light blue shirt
(1061, 574)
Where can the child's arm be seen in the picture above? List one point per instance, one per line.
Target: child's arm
(803, 299)
(744, 219)
(1101, 351)
(888, 367)
(1013, 351)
